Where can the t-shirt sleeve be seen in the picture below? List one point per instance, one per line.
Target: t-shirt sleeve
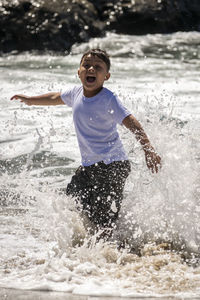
(67, 97)
(118, 110)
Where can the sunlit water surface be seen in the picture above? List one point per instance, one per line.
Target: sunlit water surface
(44, 243)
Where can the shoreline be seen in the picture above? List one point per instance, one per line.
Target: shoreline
(14, 294)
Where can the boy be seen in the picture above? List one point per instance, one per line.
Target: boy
(99, 182)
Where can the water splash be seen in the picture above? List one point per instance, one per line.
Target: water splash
(45, 243)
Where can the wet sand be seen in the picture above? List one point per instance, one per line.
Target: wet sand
(12, 294)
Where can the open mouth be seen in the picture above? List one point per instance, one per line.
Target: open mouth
(90, 79)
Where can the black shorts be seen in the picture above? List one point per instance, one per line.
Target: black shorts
(99, 190)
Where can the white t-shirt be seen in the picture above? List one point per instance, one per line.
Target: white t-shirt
(95, 121)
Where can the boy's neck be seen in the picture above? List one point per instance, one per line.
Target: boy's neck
(93, 93)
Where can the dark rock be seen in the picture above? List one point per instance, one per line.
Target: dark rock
(149, 16)
(44, 27)
(56, 26)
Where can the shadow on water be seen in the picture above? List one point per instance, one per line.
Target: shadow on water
(39, 165)
(39, 160)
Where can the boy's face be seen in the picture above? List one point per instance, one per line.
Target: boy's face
(92, 73)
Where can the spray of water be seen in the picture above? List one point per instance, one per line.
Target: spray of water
(154, 234)
(46, 244)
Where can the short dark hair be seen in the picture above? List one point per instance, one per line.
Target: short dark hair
(99, 53)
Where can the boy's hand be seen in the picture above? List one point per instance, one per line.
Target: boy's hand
(153, 160)
(22, 98)
(53, 98)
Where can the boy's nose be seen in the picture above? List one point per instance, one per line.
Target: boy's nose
(91, 68)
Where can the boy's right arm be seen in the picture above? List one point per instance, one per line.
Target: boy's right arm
(45, 99)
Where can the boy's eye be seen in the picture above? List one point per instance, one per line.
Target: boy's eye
(97, 67)
(86, 66)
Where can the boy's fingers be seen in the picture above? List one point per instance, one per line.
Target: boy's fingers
(153, 162)
(14, 97)
(21, 97)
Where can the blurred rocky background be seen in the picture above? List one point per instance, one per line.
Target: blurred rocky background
(55, 25)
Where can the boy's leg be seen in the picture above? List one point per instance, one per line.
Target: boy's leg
(79, 185)
(106, 197)
(99, 188)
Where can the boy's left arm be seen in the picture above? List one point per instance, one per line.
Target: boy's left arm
(153, 160)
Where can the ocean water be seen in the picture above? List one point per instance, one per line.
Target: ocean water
(44, 240)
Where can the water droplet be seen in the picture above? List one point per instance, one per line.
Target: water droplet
(113, 206)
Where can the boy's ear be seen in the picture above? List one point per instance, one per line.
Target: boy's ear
(78, 72)
(107, 76)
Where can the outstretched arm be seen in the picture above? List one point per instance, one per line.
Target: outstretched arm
(46, 99)
(153, 160)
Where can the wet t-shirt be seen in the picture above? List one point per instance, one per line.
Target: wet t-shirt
(95, 121)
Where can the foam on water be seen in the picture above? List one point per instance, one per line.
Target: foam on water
(47, 255)
(44, 240)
